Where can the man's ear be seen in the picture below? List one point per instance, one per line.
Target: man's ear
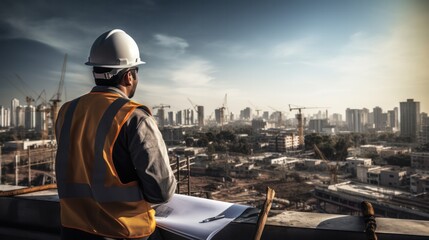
(128, 78)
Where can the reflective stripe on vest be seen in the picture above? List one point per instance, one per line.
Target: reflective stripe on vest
(97, 189)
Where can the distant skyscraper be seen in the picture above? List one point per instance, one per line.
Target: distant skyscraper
(365, 116)
(393, 119)
(246, 113)
(265, 115)
(424, 132)
(161, 117)
(4, 117)
(378, 118)
(41, 120)
(179, 118)
(200, 115)
(13, 117)
(218, 115)
(424, 119)
(410, 118)
(189, 114)
(20, 116)
(30, 117)
(336, 119)
(170, 118)
(354, 119)
(317, 125)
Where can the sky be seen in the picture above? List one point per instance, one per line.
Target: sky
(261, 54)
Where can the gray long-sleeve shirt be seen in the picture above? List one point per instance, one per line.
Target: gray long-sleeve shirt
(140, 154)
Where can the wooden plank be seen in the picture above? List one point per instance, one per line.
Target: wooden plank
(27, 190)
(263, 215)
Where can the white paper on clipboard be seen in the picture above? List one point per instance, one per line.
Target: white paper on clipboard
(183, 215)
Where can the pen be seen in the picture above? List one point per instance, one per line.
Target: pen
(212, 218)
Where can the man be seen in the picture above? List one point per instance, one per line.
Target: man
(112, 162)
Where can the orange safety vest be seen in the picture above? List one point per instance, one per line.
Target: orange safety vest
(92, 197)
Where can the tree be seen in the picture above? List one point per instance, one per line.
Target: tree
(189, 142)
(423, 148)
(202, 141)
(402, 160)
(311, 140)
(328, 150)
(341, 146)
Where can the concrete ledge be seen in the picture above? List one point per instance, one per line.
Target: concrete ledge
(36, 216)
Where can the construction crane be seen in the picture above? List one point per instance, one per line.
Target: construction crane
(300, 119)
(199, 109)
(45, 109)
(56, 98)
(161, 117)
(333, 169)
(279, 119)
(223, 111)
(256, 109)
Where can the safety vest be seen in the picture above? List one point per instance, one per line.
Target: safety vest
(92, 197)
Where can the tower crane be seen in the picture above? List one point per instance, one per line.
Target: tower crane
(46, 110)
(279, 120)
(161, 106)
(300, 122)
(256, 109)
(199, 109)
(223, 111)
(56, 98)
(28, 98)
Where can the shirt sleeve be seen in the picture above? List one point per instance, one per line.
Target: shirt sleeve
(150, 158)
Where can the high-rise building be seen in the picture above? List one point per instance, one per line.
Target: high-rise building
(336, 119)
(365, 117)
(378, 118)
(219, 115)
(13, 113)
(424, 119)
(246, 113)
(317, 125)
(30, 117)
(4, 117)
(424, 129)
(20, 116)
(161, 117)
(410, 118)
(179, 118)
(393, 119)
(170, 118)
(189, 116)
(355, 120)
(200, 115)
(41, 120)
(265, 115)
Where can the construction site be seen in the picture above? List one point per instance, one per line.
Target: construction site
(304, 181)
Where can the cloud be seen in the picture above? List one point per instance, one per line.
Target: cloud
(196, 72)
(58, 33)
(171, 42)
(232, 50)
(293, 48)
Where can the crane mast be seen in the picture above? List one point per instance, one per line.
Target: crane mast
(56, 98)
(300, 120)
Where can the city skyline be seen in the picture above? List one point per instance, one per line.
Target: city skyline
(289, 114)
(336, 54)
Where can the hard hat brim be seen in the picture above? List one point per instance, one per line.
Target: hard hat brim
(115, 66)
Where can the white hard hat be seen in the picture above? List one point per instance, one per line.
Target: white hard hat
(114, 49)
